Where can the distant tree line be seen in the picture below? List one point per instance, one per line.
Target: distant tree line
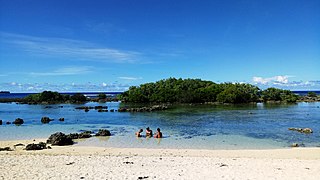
(54, 97)
(174, 90)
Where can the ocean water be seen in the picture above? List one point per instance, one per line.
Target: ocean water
(255, 126)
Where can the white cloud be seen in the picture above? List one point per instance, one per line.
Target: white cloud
(65, 71)
(69, 49)
(130, 78)
(274, 80)
(284, 82)
(72, 87)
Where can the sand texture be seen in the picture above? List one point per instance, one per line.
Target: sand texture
(76, 162)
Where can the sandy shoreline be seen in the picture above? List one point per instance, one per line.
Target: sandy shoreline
(78, 162)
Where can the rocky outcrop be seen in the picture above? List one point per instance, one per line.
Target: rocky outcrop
(45, 120)
(33, 146)
(144, 109)
(18, 121)
(85, 134)
(103, 132)
(61, 119)
(302, 130)
(0, 122)
(59, 139)
(8, 122)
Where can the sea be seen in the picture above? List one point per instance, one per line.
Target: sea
(189, 126)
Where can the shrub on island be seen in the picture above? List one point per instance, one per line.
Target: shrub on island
(49, 97)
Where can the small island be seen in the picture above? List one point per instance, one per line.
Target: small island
(174, 90)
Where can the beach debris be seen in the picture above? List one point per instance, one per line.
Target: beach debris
(61, 119)
(103, 132)
(302, 130)
(222, 165)
(18, 121)
(46, 119)
(19, 144)
(127, 162)
(59, 139)
(6, 149)
(34, 146)
(70, 163)
(143, 177)
(85, 134)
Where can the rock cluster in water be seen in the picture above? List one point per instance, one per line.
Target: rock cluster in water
(103, 132)
(85, 134)
(87, 108)
(302, 130)
(45, 120)
(18, 121)
(144, 109)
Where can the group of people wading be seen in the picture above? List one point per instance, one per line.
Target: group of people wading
(158, 134)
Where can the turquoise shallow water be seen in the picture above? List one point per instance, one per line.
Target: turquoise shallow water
(257, 126)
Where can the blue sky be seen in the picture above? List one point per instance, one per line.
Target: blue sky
(109, 45)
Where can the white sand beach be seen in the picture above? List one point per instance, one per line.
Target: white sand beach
(76, 162)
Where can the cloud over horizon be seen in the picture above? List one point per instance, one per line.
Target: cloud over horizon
(70, 87)
(284, 82)
(70, 48)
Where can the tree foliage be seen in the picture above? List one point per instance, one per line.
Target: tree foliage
(174, 90)
(54, 97)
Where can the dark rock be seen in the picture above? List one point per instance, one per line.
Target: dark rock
(59, 139)
(61, 119)
(122, 109)
(18, 121)
(45, 120)
(6, 149)
(0, 122)
(8, 122)
(86, 110)
(85, 134)
(103, 132)
(111, 110)
(101, 107)
(102, 110)
(39, 146)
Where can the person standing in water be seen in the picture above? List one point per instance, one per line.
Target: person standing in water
(148, 132)
(158, 134)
